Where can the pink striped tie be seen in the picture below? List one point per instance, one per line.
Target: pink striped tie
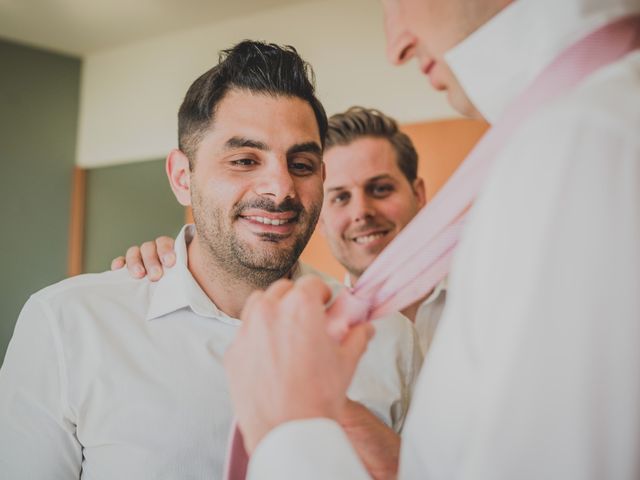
(420, 256)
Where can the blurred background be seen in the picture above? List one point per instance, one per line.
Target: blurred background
(89, 93)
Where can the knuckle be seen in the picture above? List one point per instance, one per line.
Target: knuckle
(279, 284)
(164, 242)
(118, 261)
(147, 247)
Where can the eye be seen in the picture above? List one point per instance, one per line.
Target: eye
(301, 168)
(243, 162)
(381, 190)
(340, 198)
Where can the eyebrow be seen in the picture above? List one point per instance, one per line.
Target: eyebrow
(243, 142)
(383, 176)
(307, 147)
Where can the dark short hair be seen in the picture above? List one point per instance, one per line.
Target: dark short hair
(358, 122)
(253, 66)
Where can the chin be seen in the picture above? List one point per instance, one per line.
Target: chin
(462, 105)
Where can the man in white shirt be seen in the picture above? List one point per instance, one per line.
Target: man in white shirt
(534, 370)
(108, 376)
(371, 191)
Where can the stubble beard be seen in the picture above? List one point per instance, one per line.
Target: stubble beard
(244, 263)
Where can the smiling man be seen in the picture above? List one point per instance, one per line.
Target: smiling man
(372, 191)
(107, 376)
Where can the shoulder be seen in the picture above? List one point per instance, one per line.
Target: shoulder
(603, 108)
(91, 287)
(588, 137)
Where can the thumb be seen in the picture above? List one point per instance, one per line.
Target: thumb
(354, 344)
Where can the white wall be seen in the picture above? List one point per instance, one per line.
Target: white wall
(130, 95)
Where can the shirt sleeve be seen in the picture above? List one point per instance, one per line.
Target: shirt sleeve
(560, 357)
(310, 449)
(37, 433)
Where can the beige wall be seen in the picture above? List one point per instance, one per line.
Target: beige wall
(130, 95)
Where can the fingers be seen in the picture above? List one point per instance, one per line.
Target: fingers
(134, 262)
(166, 252)
(257, 298)
(315, 288)
(151, 261)
(117, 263)
(278, 289)
(249, 305)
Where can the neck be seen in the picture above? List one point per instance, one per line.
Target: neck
(411, 311)
(227, 291)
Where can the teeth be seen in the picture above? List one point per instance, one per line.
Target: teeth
(368, 238)
(268, 221)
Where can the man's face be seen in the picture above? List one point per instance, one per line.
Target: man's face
(256, 186)
(427, 29)
(368, 200)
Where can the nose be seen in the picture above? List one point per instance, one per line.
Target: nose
(361, 208)
(401, 44)
(276, 182)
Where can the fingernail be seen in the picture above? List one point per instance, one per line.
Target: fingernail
(139, 270)
(156, 271)
(168, 258)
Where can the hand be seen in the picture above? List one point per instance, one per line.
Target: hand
(284, 365)
(377, 445)
(148, 259)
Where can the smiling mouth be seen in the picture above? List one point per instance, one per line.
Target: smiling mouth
(270, 221)
(369, 238)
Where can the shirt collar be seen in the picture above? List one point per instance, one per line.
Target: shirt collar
(437, 291)
(178, 289)
(498, 61)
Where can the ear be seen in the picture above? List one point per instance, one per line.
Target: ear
(179, 173)
(420, 191)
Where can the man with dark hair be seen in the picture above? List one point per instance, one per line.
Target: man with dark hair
(371, 192)
(252, 67)
(112, 377)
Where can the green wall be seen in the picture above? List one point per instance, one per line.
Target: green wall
(126, 205)
(38, 123)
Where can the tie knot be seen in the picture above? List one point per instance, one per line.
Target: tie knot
(346, 310)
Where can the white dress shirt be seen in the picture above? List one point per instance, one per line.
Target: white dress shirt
(429, 314)
(534, 372)
(109, 377)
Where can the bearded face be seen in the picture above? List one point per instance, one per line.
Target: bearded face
(255, 237)
(256, 185)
